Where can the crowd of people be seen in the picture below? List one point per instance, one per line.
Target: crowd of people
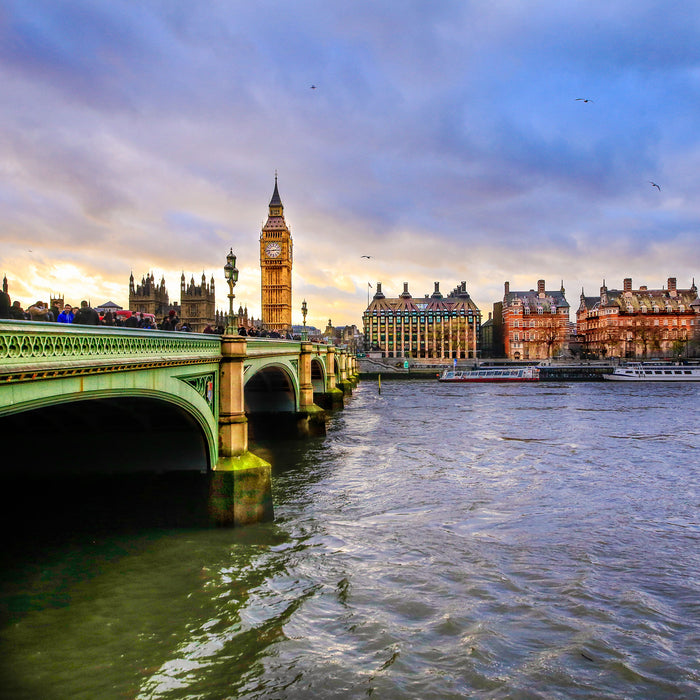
(251, 332)
(40, 311)
(87, 316)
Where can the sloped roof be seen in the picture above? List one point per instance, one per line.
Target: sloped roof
(532, 299)
(434, 303)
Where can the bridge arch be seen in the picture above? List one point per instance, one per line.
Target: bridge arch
(271, 389)
(318, 375)
(187, 394)
(122, 433)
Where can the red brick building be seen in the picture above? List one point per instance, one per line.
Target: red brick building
(639, 323)
(535, 323)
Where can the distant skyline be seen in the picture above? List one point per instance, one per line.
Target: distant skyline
(485, 141)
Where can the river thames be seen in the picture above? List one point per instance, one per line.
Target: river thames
(486, 541)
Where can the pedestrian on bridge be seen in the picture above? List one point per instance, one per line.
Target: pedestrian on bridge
(39, 312)
(66, 316)
(86, 315)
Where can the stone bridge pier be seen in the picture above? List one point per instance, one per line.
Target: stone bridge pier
(312, 418)
(241, 483)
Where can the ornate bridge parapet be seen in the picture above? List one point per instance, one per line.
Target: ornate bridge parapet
(31, 351)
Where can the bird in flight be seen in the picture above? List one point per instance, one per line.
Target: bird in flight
(582, 99)
(366, 256)
(653, 184)
(313, 87)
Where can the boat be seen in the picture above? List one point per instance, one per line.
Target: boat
(491, 374)
(647, 372)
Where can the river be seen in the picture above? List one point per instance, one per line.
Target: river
(485, 541)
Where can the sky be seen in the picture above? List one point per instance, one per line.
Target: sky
(448, 140)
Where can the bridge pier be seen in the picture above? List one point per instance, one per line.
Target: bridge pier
(353, 376)
(240, 490)
(332, 398)
(345, 385)
(312, 418)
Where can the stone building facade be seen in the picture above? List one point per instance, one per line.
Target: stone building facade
(197, 303)
(639, 323)
(149, 297)
(535, 324)
(434, 326)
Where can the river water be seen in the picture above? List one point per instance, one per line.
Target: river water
(532, 541)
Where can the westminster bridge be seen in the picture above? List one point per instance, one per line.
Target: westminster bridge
(105, 400)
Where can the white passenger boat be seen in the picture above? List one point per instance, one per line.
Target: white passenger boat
(643, 372)
(492, 374)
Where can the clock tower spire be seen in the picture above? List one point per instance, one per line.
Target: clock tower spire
(276, 268)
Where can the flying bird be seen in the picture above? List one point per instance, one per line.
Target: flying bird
(653, 184)
(582, 99)
(366, 256)
(313, 87)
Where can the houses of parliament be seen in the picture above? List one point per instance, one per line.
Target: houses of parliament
(197, 307)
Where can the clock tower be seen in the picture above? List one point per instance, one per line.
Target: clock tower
(276, 268)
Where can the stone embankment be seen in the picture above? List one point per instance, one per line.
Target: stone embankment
(554, 371)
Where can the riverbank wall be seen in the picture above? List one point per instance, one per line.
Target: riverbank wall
(397, 369)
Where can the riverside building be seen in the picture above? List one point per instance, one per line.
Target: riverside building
(197, 308)
(434, 326)
(197, 303)
(535, 324)
(149, 297)
(639, 323)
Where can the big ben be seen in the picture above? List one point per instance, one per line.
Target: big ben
(276, 268)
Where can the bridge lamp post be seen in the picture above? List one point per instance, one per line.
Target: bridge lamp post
(231, 273)
(304, 311)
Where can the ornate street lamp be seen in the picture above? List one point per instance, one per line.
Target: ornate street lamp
(231, 274)
(304, 311)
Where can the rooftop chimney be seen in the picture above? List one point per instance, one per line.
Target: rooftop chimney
(627, 282)
(672, 286)
(540, 287)
(405, 294)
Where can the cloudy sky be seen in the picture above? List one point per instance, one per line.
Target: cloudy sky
(446, 139)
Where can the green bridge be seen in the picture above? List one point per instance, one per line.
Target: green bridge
(116, 400)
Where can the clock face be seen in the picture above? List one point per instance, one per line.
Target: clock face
(272, 250)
